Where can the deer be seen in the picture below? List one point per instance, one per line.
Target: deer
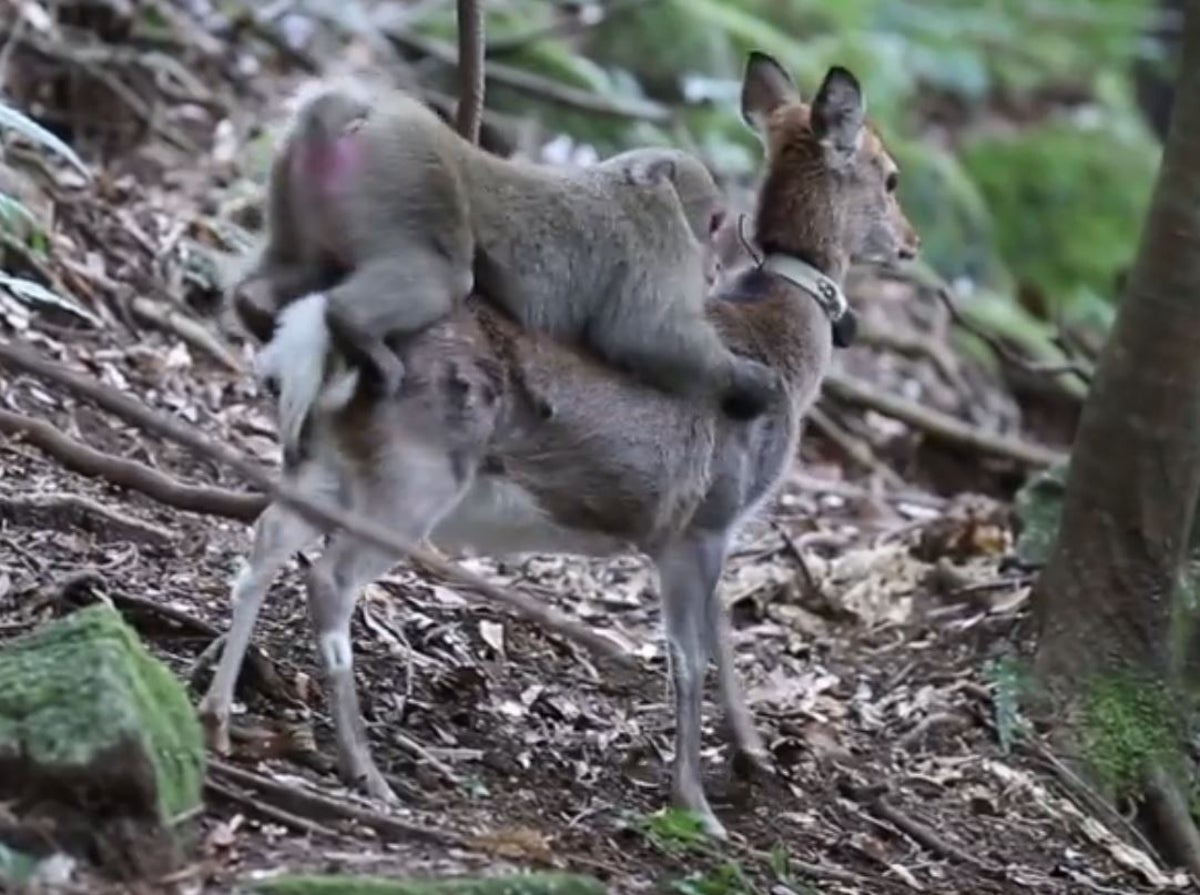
(461, 459)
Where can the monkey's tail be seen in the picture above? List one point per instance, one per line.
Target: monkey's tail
(301, 360)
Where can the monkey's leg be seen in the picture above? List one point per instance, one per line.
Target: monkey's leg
(391, 296)
(683, 354)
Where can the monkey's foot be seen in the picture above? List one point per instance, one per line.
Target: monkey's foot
(754, 387)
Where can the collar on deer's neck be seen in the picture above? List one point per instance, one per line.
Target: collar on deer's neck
(824, 290)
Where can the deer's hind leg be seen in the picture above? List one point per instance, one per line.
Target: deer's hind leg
(407, 496)
(279, 534)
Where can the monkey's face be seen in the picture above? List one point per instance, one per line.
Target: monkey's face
(831, 188)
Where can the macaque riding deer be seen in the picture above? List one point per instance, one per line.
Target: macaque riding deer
(460, 456)
(381, 204)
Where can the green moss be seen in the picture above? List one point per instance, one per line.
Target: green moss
(1129, 724)
(1067, 203)
(82, 699)
(1038, 507)
(519, 884)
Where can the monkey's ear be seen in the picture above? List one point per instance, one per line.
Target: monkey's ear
(647, 172)
(766, 86)
(839, 113)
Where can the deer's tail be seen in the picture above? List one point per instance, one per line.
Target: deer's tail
(307, 370)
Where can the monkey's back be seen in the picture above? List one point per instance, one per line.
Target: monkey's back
(563, 246)
(412, 188)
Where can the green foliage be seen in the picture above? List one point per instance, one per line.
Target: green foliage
(513, 884)
(32, 292)
(1039, 507)
(1067, 203)
(949, 212)
(675, 831)
(1009, 680)
(16, 120)
(1129, 725)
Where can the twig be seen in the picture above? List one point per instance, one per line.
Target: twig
(938, 425)
(914, 344)
(470, 69)
(80, 458)
(853, 447)
(535, 85)
(876, 802)
(501, 46)
(294, 821)
(1002, 349)
(191, 331)
(422, 754)
(811, 588)
(317, 803)
(57, 511)
(325, 516)
(851, 491)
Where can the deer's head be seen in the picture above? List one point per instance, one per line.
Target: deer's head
(829, 197)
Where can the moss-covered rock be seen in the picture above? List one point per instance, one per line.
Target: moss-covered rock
(1039, 507)
(519, 884)
(1067, 203)
(99, 734)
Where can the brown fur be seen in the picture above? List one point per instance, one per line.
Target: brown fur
(460, 457)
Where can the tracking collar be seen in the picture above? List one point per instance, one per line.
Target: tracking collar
(827, 293)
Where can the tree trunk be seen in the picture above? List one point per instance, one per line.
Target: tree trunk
(1109, 602)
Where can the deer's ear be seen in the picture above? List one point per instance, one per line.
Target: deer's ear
(839, 113)
(765, 87)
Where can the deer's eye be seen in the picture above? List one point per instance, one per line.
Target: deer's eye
(893, 180)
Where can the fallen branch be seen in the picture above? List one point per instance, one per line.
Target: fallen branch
(314, 803)
(1001, 348)
(57, 512)
(78, 457)
(852, 446)
(937, 425)
(535, 85)
(191, 331)
(324, 516)
(269, 811)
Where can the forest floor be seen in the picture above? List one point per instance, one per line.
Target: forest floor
(877, 627)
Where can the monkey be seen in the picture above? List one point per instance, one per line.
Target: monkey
(704, 206)
(385, 209)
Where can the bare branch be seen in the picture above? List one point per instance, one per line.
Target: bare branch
(938, 425)
(80, 458)
(470, 69)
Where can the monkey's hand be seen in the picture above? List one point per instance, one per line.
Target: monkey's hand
(752, 389)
